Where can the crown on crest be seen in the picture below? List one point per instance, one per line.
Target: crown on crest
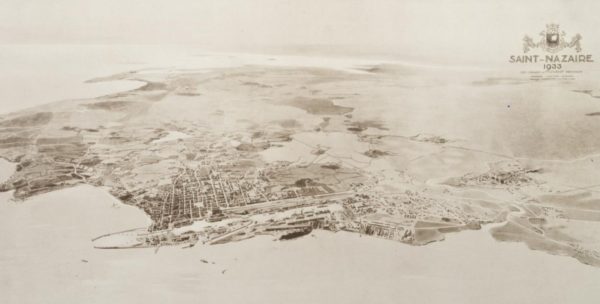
(552, 28)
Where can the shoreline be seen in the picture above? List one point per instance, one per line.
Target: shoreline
(326, 254)
(118, 86)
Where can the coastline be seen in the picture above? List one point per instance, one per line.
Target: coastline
(60, 225)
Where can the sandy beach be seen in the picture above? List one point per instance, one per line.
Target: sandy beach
(6, 169)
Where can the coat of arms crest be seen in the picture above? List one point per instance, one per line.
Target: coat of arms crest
(552, 40)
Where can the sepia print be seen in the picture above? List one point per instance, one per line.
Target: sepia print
(299, 151)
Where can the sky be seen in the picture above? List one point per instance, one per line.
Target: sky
(461, 30)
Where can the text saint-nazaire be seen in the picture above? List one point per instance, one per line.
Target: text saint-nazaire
(550, 58)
